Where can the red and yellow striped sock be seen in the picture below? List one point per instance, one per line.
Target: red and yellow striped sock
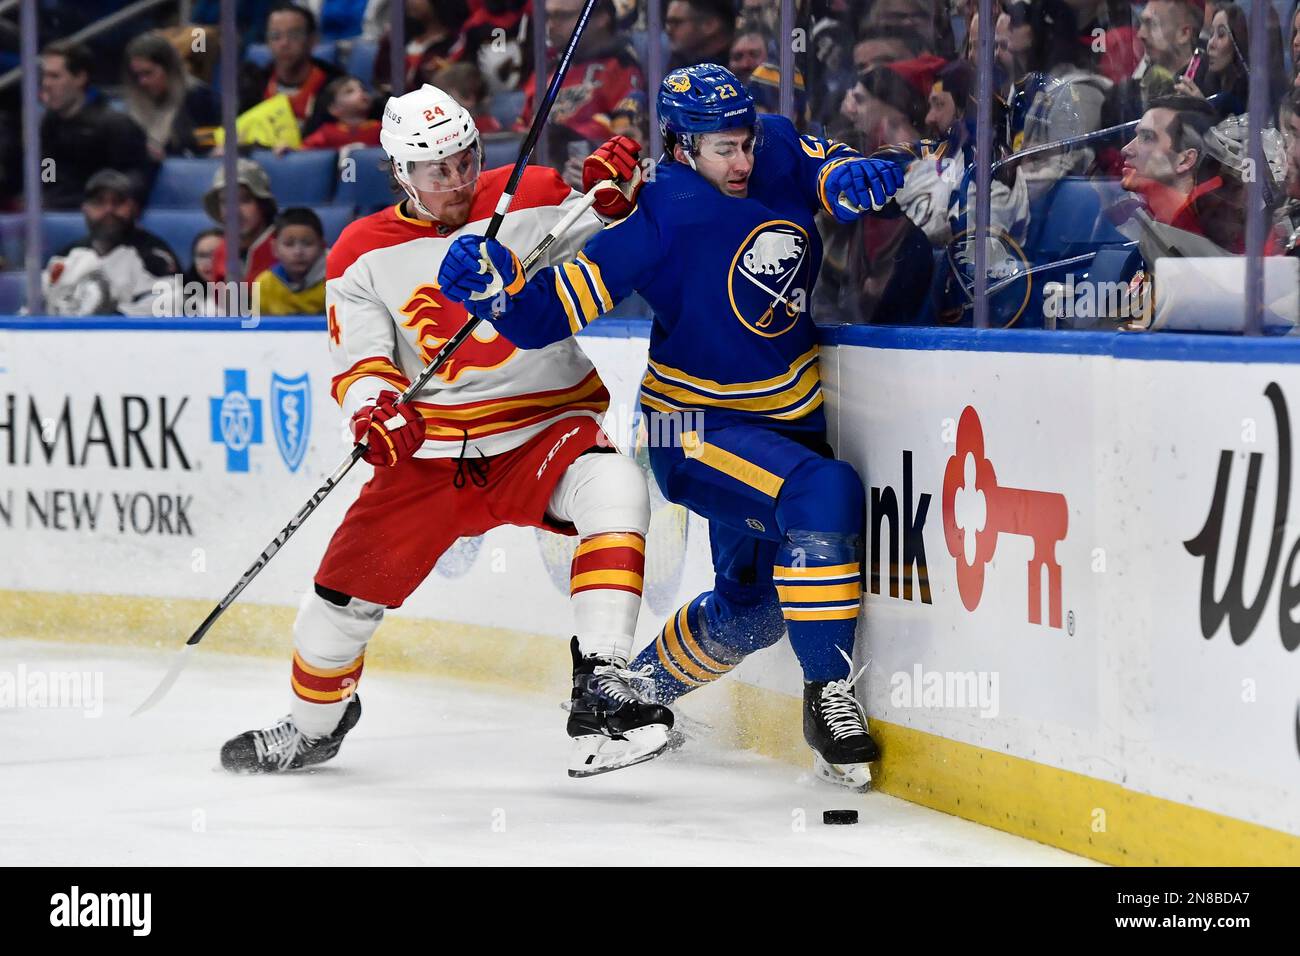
(605, 583)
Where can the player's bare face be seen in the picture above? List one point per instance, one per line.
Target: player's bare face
(726, 160)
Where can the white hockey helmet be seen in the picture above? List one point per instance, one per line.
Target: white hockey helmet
(423, 129)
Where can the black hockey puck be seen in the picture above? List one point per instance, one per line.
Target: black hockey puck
(839, 816)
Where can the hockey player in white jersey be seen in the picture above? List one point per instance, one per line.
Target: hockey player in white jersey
(500, 436)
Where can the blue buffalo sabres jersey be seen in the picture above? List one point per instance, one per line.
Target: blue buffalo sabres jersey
(729, 281)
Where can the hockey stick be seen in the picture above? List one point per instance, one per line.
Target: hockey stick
(444, 353)
(345, 466)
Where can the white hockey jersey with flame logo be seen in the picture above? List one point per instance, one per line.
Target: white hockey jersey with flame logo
(388, 318)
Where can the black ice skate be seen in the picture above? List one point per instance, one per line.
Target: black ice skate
(612, 724)
(283, 747)
(836, 729)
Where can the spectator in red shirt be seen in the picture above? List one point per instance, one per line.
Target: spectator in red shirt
(291, 34)
(604, 71)
(257, 209)
(348, 102)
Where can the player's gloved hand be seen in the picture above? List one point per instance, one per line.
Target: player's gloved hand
(480, 274)
(618, 159)
(390, 430)
(862, 185)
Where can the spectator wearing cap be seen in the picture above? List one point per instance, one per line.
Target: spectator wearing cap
(604, 70)
(114, 268)
(764, 85)
(257, 209)
(80, 133)
(295, 285)
(293, 71)
(168, 104)
(699, 31)
(348, 103)
(629, 117)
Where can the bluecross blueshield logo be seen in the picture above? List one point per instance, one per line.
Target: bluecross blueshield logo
(236, 419)
(291, 417)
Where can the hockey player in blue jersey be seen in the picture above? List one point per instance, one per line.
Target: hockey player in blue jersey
(721, 242)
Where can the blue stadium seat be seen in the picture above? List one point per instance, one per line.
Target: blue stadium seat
(369, 190)
(13, 226)
(13, 292)
(260, 54)
(361, 60)
(61, 228)
(300, 178)
(507, 105)
(501, 149)
(181, 183)
(1071, 218)
(177, 228)
(333, 219)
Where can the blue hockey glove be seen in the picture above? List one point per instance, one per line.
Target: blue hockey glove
(480, 274)
(861, 185)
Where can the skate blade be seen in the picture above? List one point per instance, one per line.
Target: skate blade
(595, 754)
(851, 776)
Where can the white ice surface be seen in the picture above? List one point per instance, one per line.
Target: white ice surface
(435, 773)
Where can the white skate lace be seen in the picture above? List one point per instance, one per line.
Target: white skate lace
(621, 682)
(282, 743)
(840, 708)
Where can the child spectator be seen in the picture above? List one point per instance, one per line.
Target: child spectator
(465, 83)
(203, 257)
(296, 284)
(348, 102)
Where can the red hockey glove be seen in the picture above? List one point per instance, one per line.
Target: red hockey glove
(390, 430)
(618, 159)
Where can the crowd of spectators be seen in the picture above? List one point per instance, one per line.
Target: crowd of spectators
(1143, 104)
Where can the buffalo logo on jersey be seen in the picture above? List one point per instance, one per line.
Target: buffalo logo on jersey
(769, 278)
(434, 319)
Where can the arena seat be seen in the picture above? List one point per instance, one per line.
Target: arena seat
(13, 292)
(369, 189)
(300, 178)
(259, 54)
(1071, 218)
(333, 219)
(177, 228)
(181, 183)
(361, 60)
(61, 228)
(501, 149)
(507, 105)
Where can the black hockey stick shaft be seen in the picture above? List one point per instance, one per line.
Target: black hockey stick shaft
(543, 111)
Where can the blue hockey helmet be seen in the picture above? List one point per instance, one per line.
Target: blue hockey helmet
(703, 99)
